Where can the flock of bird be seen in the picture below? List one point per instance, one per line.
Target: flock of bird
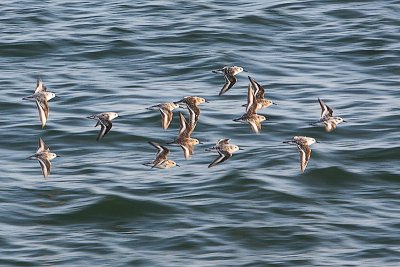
(255, 101)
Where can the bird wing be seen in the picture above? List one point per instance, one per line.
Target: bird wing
(166, 118)
(187, 149)
(325, 109)
(45, 165)
(251, 107)
(230, 81)
(223, 156)
(40, 87)
(223, 141)
(183, 129)
(255, 125)
(106, 126)
(43, 109)
(162, 151)
(194, 114)
(305, 154)
(258, 89)
(42, 147)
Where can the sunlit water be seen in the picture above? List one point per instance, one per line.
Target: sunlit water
(101, 206)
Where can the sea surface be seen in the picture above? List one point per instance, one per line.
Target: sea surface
(101, 207)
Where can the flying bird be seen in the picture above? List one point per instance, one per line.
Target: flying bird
(43, 155)
(251, 117)
(303, 145)
(259, 92)
(225, 151)
(104, 120)
(327, 117)
(184, 140)
(229, 75)
(41, 97)
(166, 113)
(161, 161)
(192, 103)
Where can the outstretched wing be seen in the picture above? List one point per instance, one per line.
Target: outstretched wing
(40, 87)
(230, 81)
(166, 118)
(186, 129)
(194, 114)
(223, 141)
(325, 109)
(42, 147)
(255, 125)
(106, 126)
(223, 156)
(45, 165)
(43, 109)
(251, 107)
(305, 154)
(259, 91)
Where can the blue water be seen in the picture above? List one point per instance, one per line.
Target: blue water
(101, 206)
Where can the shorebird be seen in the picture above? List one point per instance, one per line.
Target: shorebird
(184, 140)
(259, 92)
(229, 75)
(43, 155)
(327, 117)
(104, 120)
(303, 145)
(166, 113)
(192, 103)
(251, 117)
(224, 149)
(161, 161)
(41, 98)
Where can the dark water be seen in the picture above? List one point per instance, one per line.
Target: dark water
(100, 206)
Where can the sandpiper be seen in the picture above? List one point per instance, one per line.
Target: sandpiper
(104, 120)
(251, 117)
(303, 145)
(161, 161)
(327, 117)
(259, 92)
(192, 103)
(166, 113)
(43, 155)
(41, 98)
(224, 149)
(184, 140)
(229, 75)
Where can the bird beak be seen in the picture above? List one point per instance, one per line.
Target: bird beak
(206, 101)
(201, 143)
(241, 148)
(317, 141)
(245, 70)
(273, 103)
(177, 165)
(58, 156)
(57, 97)
(345, 121)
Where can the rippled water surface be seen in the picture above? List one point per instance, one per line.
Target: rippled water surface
(101, 206)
